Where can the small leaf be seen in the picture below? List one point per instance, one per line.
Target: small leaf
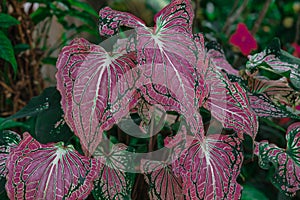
(7, 21)
(8, 141)
(7, 51)
(51, 171)
(84, 6)
(286, 162)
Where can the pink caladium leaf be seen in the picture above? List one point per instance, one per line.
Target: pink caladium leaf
(51, 171)
(166, 55)
(277, 61)
(209, 168)
(286, 162)
(96, 88)
(228, 102)
(8, 141)
(163, 183)
(113, 181)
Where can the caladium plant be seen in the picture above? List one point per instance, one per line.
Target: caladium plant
(166, 67)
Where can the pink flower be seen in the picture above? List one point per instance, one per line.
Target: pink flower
(296, 52)
(243, 39)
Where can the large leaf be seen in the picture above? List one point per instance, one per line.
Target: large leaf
(113, 182)
(209, 168)
(228, 102)
(52, 171)
(96, 88)
(277, 61)
(285, 162)
(7, 51)
(163, 183)
(166, 55)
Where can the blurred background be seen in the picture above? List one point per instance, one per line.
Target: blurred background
(33, 32)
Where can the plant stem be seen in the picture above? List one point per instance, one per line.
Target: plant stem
(234, 17)
(261, 16)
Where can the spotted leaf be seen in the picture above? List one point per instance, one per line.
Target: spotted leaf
(96, 88)
(52, 171)
(286, 162)
(8, 141)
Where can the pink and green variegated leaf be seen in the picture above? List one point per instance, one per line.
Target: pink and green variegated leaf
(285, 161)
(209, 169)
(52, 171)
(216, 52)
(264, 107)
(113, 181)
(257, 84)
(166, 56)
(228, 103)
(163, 183)
(96, 89)
(8, 141)
(277, 61)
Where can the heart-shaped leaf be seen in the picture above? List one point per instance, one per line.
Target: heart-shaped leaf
(209, 168)
(286, 162)
(52, 171)
(96, 88)
(166, 56)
